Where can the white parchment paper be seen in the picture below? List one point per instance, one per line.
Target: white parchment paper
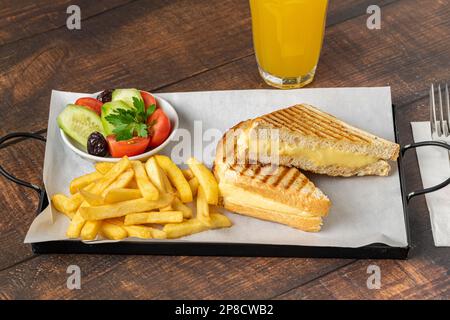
(364, 210)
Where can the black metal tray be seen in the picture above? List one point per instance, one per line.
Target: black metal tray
(372, 251)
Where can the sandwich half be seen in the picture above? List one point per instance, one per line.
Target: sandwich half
(274, 193)
(304, 137)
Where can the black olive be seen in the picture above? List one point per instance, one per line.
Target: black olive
(105, 95)
(97, 145)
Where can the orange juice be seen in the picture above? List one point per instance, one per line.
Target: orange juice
(287, 36)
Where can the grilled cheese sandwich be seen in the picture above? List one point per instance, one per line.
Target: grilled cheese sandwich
(312, 140)
(318, 156)
(278, 194)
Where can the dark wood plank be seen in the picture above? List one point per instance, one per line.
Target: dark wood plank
(18, 204)
(424, 276)
(164, 42)
(230, 277)
(118, 266)
(39, 76)
(343, 10)
(408, 53)
(25, 18)
(159, 277)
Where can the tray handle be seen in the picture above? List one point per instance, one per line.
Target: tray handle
(423, 144)
(8, 175)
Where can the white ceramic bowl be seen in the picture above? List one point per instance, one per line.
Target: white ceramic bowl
(168, 109)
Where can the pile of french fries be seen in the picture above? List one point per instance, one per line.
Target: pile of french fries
(142, 200)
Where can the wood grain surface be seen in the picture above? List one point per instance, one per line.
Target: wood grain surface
(189, 45)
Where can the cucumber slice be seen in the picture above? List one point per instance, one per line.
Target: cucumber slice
(109, 108)
(79, 122)
(126, 95)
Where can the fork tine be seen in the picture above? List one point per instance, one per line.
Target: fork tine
(441, 127)
(432, 111)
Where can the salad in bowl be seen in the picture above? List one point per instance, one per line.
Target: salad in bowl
(117, 123)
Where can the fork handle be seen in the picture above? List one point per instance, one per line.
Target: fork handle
(423, 144)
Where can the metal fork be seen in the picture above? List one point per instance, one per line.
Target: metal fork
(440, 114)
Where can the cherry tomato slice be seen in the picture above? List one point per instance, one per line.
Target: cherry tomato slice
(148, 99)
(91, 103)
(131, 147)
(159, 127)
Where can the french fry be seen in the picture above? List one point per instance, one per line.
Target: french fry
(168, 186)
(64, 205)
(123, 180)
(155, 174)
(69, 205)
(180, 206)
(123, 208)
(203, 208)
(206, 180)
(117, 221)
(122, 194)
(112, 231)
(191, 226)
(130, 198)
(77, 198)
(219, 220)
(79, 183)
(188, 174)
(159, 179)
(193, 183)
(103, 167)
(77, 223)
(90, 230)
(119, 167)
(153, 217)
(141, 232)
(176, 177)
(132, 184)
(178, 230)
(158, 234)
(92, 198)
(168, 208)
(148, 190)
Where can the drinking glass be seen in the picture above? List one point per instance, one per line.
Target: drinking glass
(288, 36)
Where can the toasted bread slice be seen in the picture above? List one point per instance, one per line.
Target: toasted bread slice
(274, 193)
(313, 140)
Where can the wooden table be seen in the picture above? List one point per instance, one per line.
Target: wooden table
(188, 45)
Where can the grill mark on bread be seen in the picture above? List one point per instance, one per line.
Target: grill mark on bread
(329, 128)
(257, 171)
(280, 176)
(350, 133)
(309, 117)
(279, 120)
(302, 184)
(265, 178)
(292, 179)
(322, 127)
(326, 123)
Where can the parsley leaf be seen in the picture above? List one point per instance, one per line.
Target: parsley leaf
(129, 123)
(150, 110)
